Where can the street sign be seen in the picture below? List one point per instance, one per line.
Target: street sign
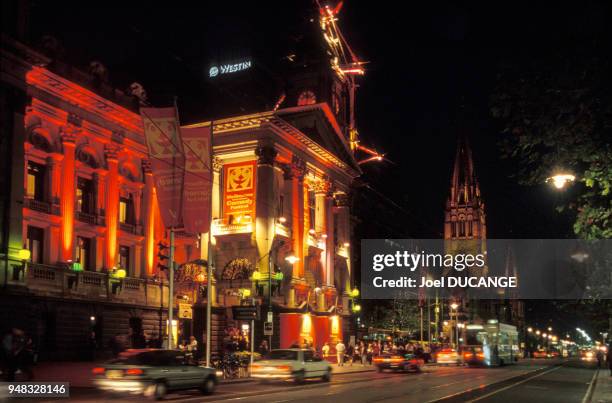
(268, 329)
(245, 312)
(184, 311)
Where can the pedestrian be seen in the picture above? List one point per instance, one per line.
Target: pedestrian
(609, 357)
(350, 353)
(325, 350)
(340, 349)
(600, 357)
(363, 353)
(370, 353)
(192, 347)
(263, 348)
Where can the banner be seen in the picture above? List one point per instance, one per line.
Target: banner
(239, 191)
(167, 160)
(198, 178)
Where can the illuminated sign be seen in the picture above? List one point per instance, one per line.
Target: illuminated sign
(229, 68)
(239, 191)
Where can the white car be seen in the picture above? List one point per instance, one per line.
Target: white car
(294, 363)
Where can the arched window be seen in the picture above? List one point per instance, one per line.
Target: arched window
(307, 98)
(237, 269)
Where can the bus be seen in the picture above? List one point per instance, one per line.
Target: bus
(491, 344)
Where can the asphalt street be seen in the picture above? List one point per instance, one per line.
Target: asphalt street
(538, 381)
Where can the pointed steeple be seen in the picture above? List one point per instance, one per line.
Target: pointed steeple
(465, 217)
(464, 185)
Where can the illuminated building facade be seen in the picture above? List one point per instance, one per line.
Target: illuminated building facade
(79, 215)
(81, 224)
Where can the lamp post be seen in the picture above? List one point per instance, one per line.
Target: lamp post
(454, 307)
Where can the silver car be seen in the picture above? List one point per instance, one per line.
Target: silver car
(153, 373)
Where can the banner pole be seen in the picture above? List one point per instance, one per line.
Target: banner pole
(209, 265)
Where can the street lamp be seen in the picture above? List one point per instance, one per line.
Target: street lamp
(560, 179)
(291, 258)
(537, 332)
(530, 329)
(549, 329)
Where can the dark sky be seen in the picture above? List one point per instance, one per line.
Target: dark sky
(432, 68)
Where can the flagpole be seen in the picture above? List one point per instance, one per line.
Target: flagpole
(209, 266)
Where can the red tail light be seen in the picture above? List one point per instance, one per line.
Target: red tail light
(97, 371)
(134, 371)
(378, 359)
(480, 355)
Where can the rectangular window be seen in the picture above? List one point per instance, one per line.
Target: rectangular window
(83, 253)
(124, 258)
(35, 242)
(36, 181)
(85, 199)
(126, 210)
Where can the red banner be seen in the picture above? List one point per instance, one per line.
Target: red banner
(198, 178)
(167, 160)
(239, 191)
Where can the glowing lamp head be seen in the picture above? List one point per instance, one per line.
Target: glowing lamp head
(200, 278)
(120, 273)
(537, 332)
(530, 329)
(256, 275)
(559, 180)
(291, 258)
(454, 305)
(24, 254)
(354, 293)
(346, 244)
(356, 308)
(312, 231)
(282, 220)
(245, 292)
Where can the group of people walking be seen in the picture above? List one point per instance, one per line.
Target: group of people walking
(363, 351)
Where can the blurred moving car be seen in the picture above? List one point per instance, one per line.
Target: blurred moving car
(403, 362)
(153, 373)
(294, 363)
(540, 354)
(448, 356)
(587, 355)
(474, 356)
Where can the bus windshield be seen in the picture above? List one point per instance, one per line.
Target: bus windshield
(475, 337)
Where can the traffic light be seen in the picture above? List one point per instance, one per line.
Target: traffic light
(163, 259)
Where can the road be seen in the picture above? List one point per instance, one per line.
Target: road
(538, 381)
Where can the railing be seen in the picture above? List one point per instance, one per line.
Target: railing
(86, 218)
(131, 228)
(90, 285)
(37, 205)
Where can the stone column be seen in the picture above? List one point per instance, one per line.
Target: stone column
(329, 237)
(148, 220)
(112, 205)
(298, 170)
(68, 191)
(343, 214)
(264, 205)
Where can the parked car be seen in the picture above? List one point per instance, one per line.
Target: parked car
(294, 363)
(153, 373)
(448, 356)
(398, 362)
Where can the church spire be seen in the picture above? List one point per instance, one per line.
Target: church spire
(464, 216)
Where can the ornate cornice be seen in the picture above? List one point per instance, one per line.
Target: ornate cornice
(110, 152)
(266, 155)
(43, 79)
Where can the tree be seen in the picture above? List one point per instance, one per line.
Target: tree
(556, 112)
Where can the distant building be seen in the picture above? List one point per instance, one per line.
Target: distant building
(465, 231)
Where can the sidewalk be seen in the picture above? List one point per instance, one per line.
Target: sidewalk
(602, 390)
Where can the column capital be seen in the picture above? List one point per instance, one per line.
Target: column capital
(68, 134)
(146, 167)
(111, 151)
(322, 187)
(266, 155)
(217, 165)
(295, 169)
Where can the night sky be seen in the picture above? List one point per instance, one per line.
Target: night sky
(430, 73)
